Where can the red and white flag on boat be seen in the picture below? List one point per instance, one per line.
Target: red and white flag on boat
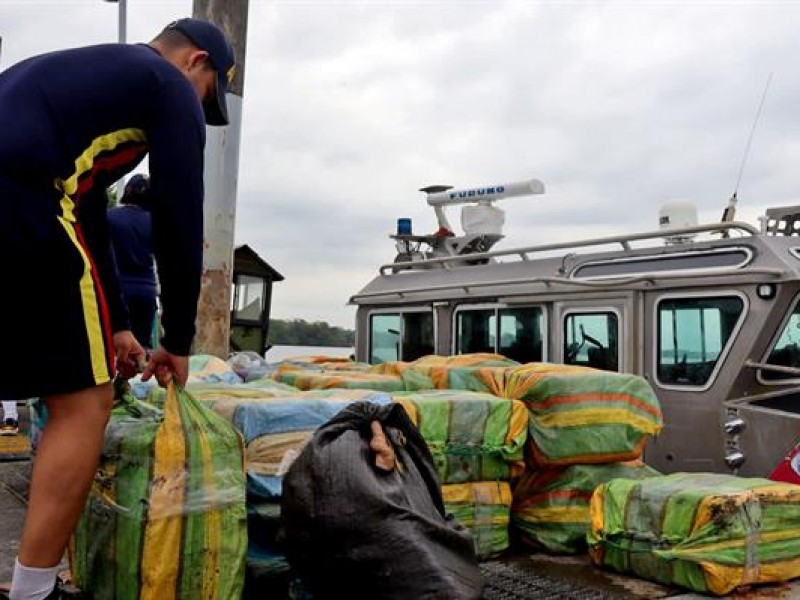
(788, 471)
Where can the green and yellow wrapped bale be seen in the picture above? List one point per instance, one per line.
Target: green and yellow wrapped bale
(706, 532)
(472, 436)
(483, 507)
(551, 507)
(166, 518)
(489, 380)
(478, 372)
(475, 359)
(393, 367)
(226, 406)
(211, 393)
(322, 363)
(316, 380)
(583, 416)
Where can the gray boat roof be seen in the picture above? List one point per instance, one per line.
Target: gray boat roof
(739, 254)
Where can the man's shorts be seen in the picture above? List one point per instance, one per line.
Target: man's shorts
(55, 334)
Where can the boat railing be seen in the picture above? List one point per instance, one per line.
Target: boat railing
(524, 254)
(548, 282)
(752, 364)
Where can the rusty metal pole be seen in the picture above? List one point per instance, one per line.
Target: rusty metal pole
(221, 172)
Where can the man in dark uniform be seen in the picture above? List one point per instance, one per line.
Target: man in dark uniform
(72, 123)
(132, 240)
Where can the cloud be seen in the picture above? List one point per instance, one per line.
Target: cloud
(351, 106)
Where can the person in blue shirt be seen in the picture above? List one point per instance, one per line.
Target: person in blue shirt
(73, 122)
(132, 240)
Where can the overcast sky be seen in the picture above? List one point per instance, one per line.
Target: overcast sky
(351, 106)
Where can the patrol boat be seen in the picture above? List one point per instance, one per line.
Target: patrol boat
(709, 314)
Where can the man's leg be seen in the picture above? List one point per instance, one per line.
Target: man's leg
(65, 464)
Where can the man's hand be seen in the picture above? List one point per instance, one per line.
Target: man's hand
(129, 353)
(165, 365)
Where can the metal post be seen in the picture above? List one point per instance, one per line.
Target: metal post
(221, 172)
(122, 35)
(122, 26)
(122, 15)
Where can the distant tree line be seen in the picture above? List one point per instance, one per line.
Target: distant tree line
(298, 332)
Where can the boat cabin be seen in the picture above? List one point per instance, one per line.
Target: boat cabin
(708, 314)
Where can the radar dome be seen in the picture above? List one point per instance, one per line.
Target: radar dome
(677, 214)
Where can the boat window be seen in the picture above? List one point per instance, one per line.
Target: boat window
(684, 261)
(417, 335)
(400, 336)
(476, 330)
(592, 340)
(521, 334)
(692, 332)
(516, 333)
(795, 251)
(384, 339)
(786, 351)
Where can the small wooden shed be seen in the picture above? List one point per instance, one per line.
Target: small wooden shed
(251, 300)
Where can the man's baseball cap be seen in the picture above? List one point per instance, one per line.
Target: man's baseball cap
(208, 37)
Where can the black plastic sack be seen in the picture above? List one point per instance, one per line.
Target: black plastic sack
(353, 530)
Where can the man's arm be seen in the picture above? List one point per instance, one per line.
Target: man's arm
(177, 139)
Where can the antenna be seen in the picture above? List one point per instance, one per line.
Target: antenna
(730, 210)
(441, 196)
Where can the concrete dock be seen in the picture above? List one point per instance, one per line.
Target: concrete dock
(14, 478)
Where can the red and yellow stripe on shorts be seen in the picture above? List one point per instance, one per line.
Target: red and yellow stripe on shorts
(106, 153)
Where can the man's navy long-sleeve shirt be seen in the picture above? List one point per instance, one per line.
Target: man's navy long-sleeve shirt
(71, 123)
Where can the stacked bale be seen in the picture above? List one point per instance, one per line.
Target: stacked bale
(395, 367)
(166, 514)
(275, 430)
(208, 368)
(321, 380)
(583, 425)
(476, 359)
(478, 372)
(584, 416)
(483, 507)
(209, 393)
(476, 441)
(267, 384)
(322, 363)
(203, 368)
(575, 417)
(550, 510)
(707, 532)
